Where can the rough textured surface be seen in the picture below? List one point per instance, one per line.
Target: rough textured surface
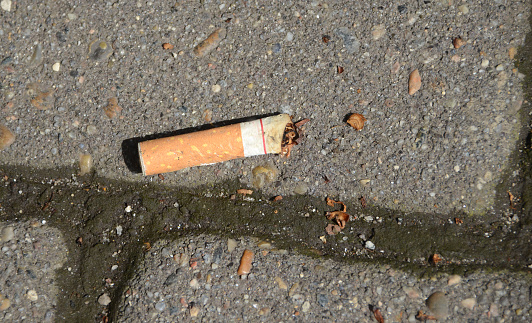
(283, 286)
(442, 149)
(28, 262)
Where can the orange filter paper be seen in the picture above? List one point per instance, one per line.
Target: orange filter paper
(211, 146)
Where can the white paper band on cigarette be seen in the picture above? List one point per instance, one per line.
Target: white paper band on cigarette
(253, 138)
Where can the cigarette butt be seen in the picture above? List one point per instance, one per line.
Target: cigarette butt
(210, 42)
(257, 137)
(245, 262)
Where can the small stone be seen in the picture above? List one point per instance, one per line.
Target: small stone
(494, 310)
(378, 31)
(414, 82)
(458, 42)
(171, 279)
(32, 295)
(104, 299)
(4, 304)
(499, 285)
(469, 303)
(323, 300)
(85, 164)
(438, 304)
(216, 88)
(300, 188)
(6, 137)
(263, 175)
(194, 311)
(194, 283)
(370, 245)
(6, 5)
(112, 108)
(36, 58)
(99, 50)
(411, 292)
(92, 130)
(485, 63)
(499, 68)
(463, 9)
(293, 289)
(56, 67)
(306, 306)
(114, 267)
(231, 244)
(264, 311)
(72, 16)
(281, 283)
(245, 262)
(351, 43)
(512, 52)
(160, 306)
(454, 279)
(289, 37)
(264, 245)
(7, 234)
(119, 230)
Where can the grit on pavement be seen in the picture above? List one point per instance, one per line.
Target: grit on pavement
(82, 82)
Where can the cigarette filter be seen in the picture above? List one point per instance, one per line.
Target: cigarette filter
(257, 137)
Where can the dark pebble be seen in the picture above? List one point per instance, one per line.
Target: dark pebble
(171, 279)
(276, 48)
(6, 60)
(74, 73)
(217, 256)
(402, 8)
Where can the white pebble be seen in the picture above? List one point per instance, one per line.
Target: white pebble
(114, 267)
(485, 63)
(469, 303)
(56, 67)
(289, 36)
(104, 300)
(453, 280)
(457, 168)
(119, 230)
(6, 5)
(32, 295)
(216, 88)
(128, 209)
(370, 245)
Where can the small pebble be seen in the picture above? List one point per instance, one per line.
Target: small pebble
(216, 88)
(104, 299)
(231, 245)
(411, 292)
(485, 63)
(306, 306)
(194, 311)
(210, 42)
(289, 37)
(7, 234)
(6, 137)
(6, 5)
(32, 295)
(469, 303)
(85, 164)
(281, 283)
(56, 67)
(4, 304)
(414, 82)
(378, 31)
(370, 245)
(438, 304)
(194, 283)
(454, 279)
(160, 306)
(463, 9)
(245, 262)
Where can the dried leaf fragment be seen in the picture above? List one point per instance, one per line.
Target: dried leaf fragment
(331, 202)
(458, 221)
(511, 197)
(339, 69)
(292, 136)
(435, 259)
(356, 120)
(424, 317)
(363, 201)
(244, 191)
(414, 82)
(332, 229)
(378, 315)
(112, 108)
(326, 38)
(277, 198)
(339, 217)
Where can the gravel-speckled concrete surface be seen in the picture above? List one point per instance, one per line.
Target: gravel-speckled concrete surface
(442, 148)
(195, 279)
